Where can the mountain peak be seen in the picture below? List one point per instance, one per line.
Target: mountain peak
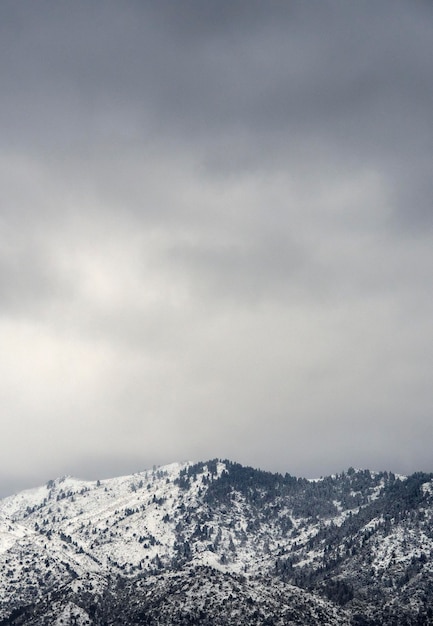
(337, 538)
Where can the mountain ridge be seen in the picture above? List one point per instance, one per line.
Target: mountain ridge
(358, 544)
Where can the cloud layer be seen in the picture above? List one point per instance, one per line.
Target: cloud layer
(215, 236)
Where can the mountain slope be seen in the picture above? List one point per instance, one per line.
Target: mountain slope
(352, 548)
(193, 595)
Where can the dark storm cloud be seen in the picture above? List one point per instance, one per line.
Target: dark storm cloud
(307, 68)
(215, 222)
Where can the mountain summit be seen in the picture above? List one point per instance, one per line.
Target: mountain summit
(218, 543)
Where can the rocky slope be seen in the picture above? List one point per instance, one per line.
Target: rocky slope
(219, 543)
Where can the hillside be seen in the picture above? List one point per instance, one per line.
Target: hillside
(219, 543)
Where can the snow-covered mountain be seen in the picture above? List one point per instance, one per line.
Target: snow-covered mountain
(219, 543)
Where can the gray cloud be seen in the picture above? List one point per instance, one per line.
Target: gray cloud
(215, 236)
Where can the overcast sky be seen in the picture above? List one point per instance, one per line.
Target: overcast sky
(216, 236)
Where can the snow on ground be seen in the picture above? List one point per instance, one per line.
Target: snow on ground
(72, 614)
(70, 527)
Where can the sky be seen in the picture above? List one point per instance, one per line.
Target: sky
(216, 236)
